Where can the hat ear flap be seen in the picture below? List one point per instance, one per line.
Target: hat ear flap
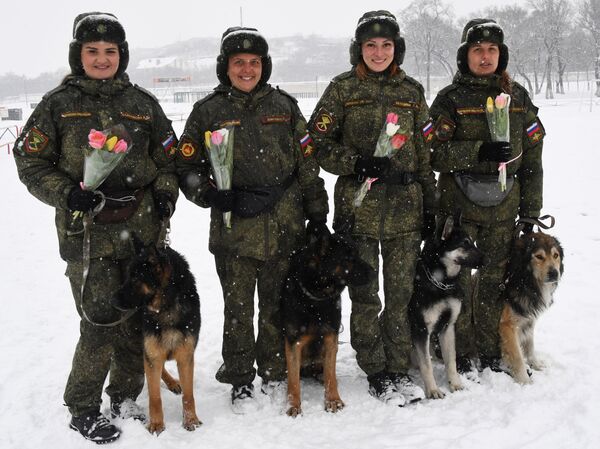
(222, 62)
(123, 58)
(399, 50)
(267, 67)
(355, 52)
(75, 58)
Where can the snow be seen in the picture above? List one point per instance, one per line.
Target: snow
(559, 410)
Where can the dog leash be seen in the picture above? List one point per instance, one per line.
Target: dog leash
(539, 222)
(87, 224)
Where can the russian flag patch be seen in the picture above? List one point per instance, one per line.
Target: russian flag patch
(535, 127)
(427, 131)
(306, 143)
(168, 145)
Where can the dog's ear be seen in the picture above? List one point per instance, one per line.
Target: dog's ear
(448, 227)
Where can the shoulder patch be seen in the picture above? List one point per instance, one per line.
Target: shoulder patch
(535, 131)
(35, 141)
(307, 145)
(187, 148)
(443, 128)
(170, 145)
(324, 120)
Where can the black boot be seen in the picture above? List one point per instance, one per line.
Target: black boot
(127, 409)
(95, 427)
(382, 388)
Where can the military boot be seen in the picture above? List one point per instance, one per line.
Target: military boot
(243, 401)
(95, 427)
(127, 409)
(407, 388)
(382, 388)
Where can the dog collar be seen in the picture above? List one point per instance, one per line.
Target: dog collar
(310, 295)
(435, 282)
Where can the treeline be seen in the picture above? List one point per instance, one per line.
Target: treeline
(546, 39)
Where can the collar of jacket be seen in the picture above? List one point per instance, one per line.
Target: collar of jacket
(105, 88)
(258, 93)
(477, 82)
(385, 76)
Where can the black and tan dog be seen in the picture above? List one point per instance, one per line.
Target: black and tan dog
(159, 282)
(311, 312)
(437, 299)
(534, 270)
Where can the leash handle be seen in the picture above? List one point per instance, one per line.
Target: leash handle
(539, 222)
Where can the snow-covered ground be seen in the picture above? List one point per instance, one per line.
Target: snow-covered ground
(39, 329)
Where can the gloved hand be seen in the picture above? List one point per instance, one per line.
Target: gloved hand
(527, 227)
(317, 228)
(164, 205)
(224, 200)
(372, 166)
(83, 200)
(428, 229)
(495, 151)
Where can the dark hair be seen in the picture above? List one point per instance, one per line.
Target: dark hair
(362, 71)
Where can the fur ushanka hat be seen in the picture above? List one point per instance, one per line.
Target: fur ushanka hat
(377, 24)
(481, 30)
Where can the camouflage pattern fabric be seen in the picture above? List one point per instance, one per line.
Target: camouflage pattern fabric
(382, 340)
(240, 277)
(49, 156)
(268, 128)
(346, 124)
(101, 350)
(460, 126)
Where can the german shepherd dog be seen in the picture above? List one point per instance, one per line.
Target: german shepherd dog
(534, 270)
(437, 299)
(159, 282)
(311, 312)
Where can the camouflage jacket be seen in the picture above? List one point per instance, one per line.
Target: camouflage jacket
(347, 123)
(49, 155)
(271, 147)
(460, 126)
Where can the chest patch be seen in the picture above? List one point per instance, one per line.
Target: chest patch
(75, 114)
(270, 119)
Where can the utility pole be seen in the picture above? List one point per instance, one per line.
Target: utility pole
(241, 18)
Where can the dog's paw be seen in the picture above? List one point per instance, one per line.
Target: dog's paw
(156, 427)
(174, 386)
(523, 378)
(435, 393)
(455, 385)
(294, 411)
(190, 424)
(334, 405)
(537, 364)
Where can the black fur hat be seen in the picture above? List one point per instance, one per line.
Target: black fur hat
(93, 27)
(481, 30)
(377, 24)
(243, 40)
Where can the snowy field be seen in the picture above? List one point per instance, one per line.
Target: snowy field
(39, 328)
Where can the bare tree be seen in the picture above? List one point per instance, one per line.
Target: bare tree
(589, 19)
(430, 32)
(553, 22)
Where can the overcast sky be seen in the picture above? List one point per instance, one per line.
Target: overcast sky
(34, 34)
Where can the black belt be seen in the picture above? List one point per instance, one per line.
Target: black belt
(402, 178)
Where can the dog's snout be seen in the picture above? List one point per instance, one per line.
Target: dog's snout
(552, 275)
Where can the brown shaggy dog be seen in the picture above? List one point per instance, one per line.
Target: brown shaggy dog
(534, 270)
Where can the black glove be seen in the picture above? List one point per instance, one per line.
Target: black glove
(164, 205)
(83, 200)
(428, 229)
(224, 200)
(372, 167)
(495, 151)
(317, 228)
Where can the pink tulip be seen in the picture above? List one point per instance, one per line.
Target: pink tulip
(392, 118)
(500, 101)
(96, 139)
(120, 146)
(216, 138)
(398, 141)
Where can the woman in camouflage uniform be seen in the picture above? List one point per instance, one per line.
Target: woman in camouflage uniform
(50, 157)
(467, 159)
(275, 188)
(345, 126)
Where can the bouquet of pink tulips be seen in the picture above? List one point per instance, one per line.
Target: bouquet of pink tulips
(106, 149)
(390, 140)
(497, 111)
(219, 144)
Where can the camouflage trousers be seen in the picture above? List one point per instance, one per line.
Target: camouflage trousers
(239, 277)
(116, 350)
(382, 339)
(477, 325)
